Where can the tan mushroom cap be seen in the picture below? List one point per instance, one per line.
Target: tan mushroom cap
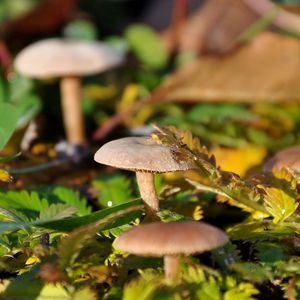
(174, 238)
(287, 158)
(141, 154)
(63, 57)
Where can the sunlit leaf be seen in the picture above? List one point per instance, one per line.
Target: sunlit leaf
(4, 176)
(110, 218)
(71, 197)
(57, 212)
(279, 204)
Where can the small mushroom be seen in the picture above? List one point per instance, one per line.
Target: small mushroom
(68, 60)
(171, 240)
(144, 156)
(287, 158)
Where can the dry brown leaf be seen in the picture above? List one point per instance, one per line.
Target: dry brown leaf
(216, 27)
(267, 69)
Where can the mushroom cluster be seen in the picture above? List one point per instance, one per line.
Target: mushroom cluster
(68, 60)
(146, 156)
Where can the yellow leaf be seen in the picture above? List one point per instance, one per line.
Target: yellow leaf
(239, 160)
(129, 96)
(4, 176)
(98, 92)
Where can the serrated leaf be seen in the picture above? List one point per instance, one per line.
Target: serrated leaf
(111, 217)
(252, 271)
(27, 202)
(244, 291)
(71, 197)
(141, 289)
(57, 212)
(166, 215)
(279, 204)
(228, 184)
(112, 190)
(71, 246)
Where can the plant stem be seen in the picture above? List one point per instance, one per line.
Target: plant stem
(147, 189)
(72, 112)
(172, 267)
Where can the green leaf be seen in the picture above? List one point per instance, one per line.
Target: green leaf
(71, 197)
(28, 107)
(29, 203)
(271, 252)
(8, 122)
(146, 45)
(80, 29)
(252, 271)
(244, 291)
(169, 216)
(112, 190)
(57, 212)
(111, 217)
(141, 289)
(279, 204)
(205, 113)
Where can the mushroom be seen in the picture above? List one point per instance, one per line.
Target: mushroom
(287, 158)
(68, 60)
(171, 240)
(145, 156)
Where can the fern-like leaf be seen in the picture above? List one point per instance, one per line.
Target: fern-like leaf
(71, 197)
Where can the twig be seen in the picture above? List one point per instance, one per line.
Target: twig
(116, 119)
(290, 288)
(284, 19)
(39, 167)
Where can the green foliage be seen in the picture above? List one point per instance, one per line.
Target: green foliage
(146, 45)
(205, 113)
(112, 190)
(195, 284)
(230, 185)
(8, 122)
(251, 271)
(71, 197)
(80, 29)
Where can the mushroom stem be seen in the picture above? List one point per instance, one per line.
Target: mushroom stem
(172, 267)
(147, 189)
(72, 112)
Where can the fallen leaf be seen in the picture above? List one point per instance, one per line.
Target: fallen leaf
(239, 160)
(253, 73)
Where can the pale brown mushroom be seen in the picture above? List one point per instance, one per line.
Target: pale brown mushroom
(171, 240)
(287, 158)
(68, 60)
(144, 156)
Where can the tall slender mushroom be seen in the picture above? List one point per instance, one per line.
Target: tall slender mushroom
(286, 158)
(144, 156)
(68, 60)
(171, 240)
